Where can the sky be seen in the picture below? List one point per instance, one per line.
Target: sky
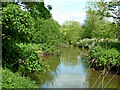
(63, 10)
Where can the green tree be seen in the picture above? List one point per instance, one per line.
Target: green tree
(16, 27)
(109, 9)
(90, 22)
(96, 24)
(71, 31)
(47, 32)
(38, 9)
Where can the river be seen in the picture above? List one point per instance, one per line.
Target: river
(69, 71)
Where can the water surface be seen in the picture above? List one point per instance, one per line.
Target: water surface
(69, 70)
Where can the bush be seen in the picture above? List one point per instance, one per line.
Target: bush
(110, 45)
(93, 50)
(16, 27)
(103, 57)
(30, 58)
(16, 24)
(30, 46)
(10, 54)
(71, 31)
(14, 80)
(35, 64)
(48, 34)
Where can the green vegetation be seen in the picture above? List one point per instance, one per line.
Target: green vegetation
(37, 9)
(15, 28)
(97, 33)
(29, 47)
(14, 80)
(71, 31)
(47, 33)
(105, 53)
(27, 33)
(21, 27)
(104, 57)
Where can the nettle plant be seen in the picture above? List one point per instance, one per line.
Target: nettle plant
(103, 57)
(35, 64)
(30, 59)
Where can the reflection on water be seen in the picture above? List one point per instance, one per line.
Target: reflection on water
(68, 71)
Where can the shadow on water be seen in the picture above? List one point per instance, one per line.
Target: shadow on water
(68, 71)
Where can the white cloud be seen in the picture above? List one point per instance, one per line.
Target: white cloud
(68, 9)
(62, 17)
(78, 14)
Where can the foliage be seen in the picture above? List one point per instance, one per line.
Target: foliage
(48, 34)
(104, 9)
(97, 22)
(16, 23)
(93, 50)
(71, 31)
(38, 9)
(110, 45)
(24, 34)
(49, 7)
(16, 26)
(20, 27)
(97, 27)
(10, 55)
(0, 75)
(105, 29)
(106, 54)
(89, 25)
(35, 64)
(30, 47)
(104, 57)
(4, 4)
(14, 80)
(30, 59)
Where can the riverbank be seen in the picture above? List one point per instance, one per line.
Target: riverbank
(31, 60)
(103, 54)
(68, 70)
(70, 57)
